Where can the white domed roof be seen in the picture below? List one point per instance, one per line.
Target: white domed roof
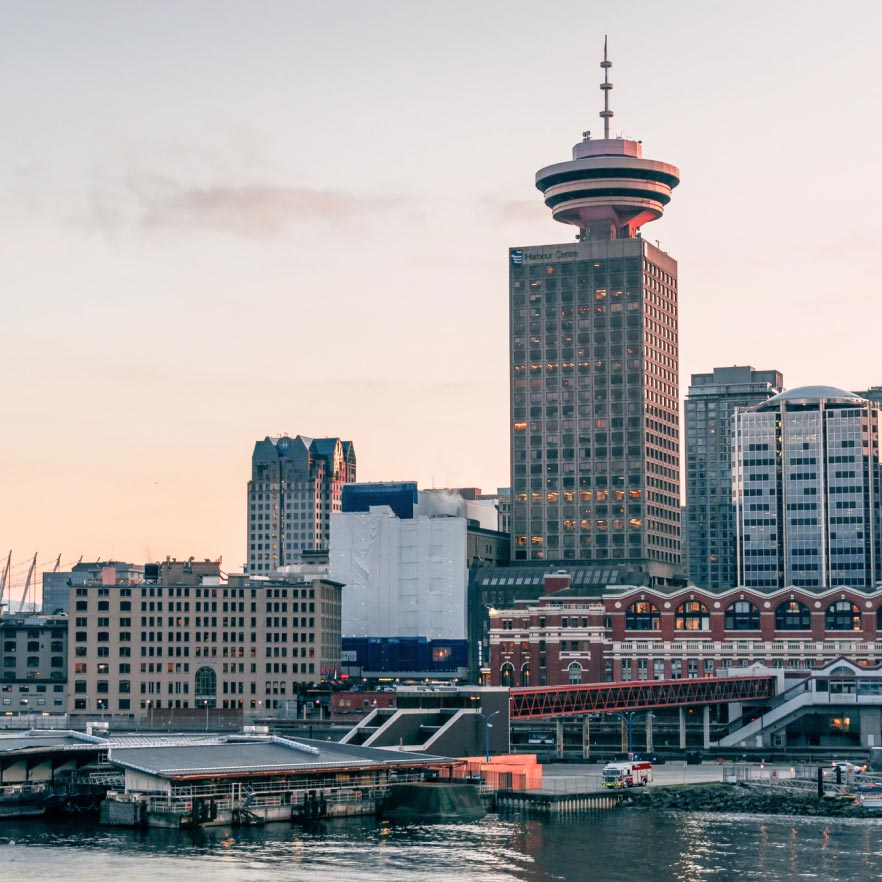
(815, 393)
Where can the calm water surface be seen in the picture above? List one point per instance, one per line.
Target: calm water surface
(638, 846)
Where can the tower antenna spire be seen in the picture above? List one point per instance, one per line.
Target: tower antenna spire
(606, 87)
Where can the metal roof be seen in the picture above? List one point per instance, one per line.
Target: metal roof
(61, 739)
(532, 577)
(256, 756)
(809, 394)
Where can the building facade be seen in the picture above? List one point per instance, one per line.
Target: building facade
(403, 556)
(404, 577)
(630, 632)
(34, 672)
(557, 640)
(594, 368)
(806, 487)
(709, 527)
(296, 484)
(242, 644)
(56, 584)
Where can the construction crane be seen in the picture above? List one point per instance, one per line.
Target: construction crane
(27, 587)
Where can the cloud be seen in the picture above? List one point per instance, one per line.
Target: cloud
(514, 210)
(161, 203)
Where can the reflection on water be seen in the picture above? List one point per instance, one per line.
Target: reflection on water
(607, 847)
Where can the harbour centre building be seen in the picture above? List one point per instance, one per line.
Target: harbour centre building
(594, 367)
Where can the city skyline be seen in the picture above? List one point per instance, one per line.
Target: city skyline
(201, 202)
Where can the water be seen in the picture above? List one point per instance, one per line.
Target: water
(632, 845)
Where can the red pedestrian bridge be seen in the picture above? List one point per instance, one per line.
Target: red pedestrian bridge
(530, 703)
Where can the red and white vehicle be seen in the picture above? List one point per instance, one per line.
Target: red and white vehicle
(633, 773)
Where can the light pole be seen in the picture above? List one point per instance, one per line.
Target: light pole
(628, 719)
(205, 705)
(487, 727)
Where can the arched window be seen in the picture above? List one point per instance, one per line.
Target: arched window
(205, 691)
(643, 616)
(692, 615)
(842, 681)
(575, 672)
(742, 616)
(525, 674)
(843, 615)
(793, 616)
(506, 674)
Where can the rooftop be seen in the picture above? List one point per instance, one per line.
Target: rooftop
(256, 755)
(813, 394)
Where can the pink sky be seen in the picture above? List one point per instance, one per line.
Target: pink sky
(228, 220)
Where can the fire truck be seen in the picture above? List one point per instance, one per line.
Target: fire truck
(633, 773)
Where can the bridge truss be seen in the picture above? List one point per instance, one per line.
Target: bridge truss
(528, 703)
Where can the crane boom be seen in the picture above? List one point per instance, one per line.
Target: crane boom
(5, 578)
(27, 587)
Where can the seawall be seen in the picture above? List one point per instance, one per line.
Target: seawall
(746, 799)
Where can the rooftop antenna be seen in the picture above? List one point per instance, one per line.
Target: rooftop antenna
(605, 87)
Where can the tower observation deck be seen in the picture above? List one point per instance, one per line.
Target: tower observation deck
(608, 190)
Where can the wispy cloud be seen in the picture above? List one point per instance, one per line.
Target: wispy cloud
(159, 203)
(516, 211)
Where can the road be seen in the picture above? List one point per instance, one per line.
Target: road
(586, 778)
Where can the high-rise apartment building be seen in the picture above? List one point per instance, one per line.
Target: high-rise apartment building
(807, 490)
(709, 530)
(296, 483)
(594, 367)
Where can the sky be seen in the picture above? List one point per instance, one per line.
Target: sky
(227, 220)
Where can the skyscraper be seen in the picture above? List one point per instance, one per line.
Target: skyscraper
(710, 525)
(806, 489)
(594, 366)
(295, 485)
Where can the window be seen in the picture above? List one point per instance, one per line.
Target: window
(692, 615)
(205, 688)
(506, 674)
(843, 615)
(643, 616)
(742, 616)
(793, 616)
(575, 673)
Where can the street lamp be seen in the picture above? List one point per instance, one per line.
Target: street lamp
(487, 727)
(628, 718)
(205, 705)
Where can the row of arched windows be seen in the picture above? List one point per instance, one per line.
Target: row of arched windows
(791, 615)
(507, 674)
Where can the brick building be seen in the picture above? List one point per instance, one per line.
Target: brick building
(639, 633)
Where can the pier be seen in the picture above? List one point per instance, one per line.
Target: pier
(554, 804)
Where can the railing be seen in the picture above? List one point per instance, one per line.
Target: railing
(553, 701)
(229, 794)
(800, 779)
(11, 791)
(754, 647)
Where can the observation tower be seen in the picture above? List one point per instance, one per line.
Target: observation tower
(594, 369)
(608, 190)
